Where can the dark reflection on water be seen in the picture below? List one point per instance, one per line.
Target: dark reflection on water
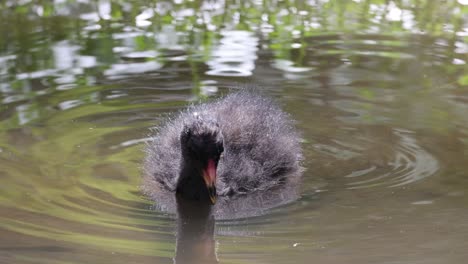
(195, 233)
(379, 90)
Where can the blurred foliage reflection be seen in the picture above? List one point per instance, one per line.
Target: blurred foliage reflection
(60, 45)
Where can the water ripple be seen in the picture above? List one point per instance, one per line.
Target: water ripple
(410, 163)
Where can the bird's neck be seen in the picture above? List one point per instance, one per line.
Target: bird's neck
(190, 184)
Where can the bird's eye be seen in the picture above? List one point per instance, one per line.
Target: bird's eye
(185, 135)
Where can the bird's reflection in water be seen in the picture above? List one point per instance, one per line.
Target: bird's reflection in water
(195, 232)
(195, 235)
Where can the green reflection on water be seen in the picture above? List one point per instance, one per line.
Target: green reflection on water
(38, 36)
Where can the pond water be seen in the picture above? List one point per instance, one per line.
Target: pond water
(379, 90)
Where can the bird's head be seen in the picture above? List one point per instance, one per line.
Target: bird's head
(202, 146)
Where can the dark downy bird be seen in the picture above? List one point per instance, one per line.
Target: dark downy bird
(238, 144)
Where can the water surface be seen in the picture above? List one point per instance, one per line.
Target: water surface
(379, 90)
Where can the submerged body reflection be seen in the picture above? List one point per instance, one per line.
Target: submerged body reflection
(195, 233)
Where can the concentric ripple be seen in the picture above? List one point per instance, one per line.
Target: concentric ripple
(74, 176)
(81, 187)
(408, 164)
(83, 150)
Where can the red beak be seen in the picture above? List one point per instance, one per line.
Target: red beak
(209, 175)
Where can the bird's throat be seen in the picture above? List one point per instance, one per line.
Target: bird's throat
(197, 182)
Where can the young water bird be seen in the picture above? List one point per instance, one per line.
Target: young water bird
(235, 145)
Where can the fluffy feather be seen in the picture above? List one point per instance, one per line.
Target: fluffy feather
(261, 146)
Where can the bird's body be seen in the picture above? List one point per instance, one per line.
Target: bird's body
(261, 146)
